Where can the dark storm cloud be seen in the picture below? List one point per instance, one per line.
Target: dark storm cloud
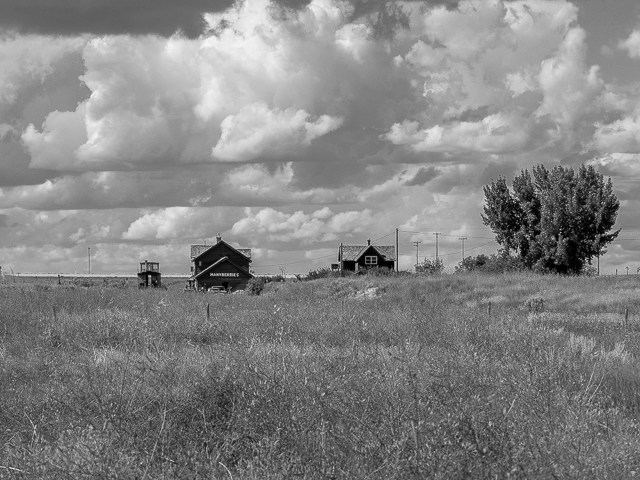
(161, 17)
(71, 17)
(14, 165)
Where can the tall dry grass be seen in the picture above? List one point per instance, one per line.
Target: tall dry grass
(515, 376)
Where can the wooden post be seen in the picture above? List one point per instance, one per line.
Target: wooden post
(59, 282)
(208, 314)
(489, 308)
(626, 315)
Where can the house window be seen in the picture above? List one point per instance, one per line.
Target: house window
(370, 260)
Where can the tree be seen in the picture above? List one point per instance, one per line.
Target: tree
(554, 220)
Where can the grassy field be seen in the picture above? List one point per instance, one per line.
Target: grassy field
(515, 376)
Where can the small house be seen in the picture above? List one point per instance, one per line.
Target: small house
(357, 258)
(149, 275)
(219, 267)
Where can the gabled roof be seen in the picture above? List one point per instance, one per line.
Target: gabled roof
(198, 250)
(354, 252)
(218, 263)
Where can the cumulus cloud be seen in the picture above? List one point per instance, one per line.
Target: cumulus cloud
(165, 224)
(24, 59)
(321, 225)
(621, 136)
(631, 44)
(258, 132)
(269, 88)
(55, 146)
(494, 133)
(568, 88)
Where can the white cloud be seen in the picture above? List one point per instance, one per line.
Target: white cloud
(165, 224)
(631, 44)
(257, 132)
(321, 225)
(625, 165)
(494, 133)
(30, 57)
(621, 136)
(568, 87)
(55, 147)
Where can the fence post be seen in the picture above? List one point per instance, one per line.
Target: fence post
(626, 316)
(489, 308)
(208, 315)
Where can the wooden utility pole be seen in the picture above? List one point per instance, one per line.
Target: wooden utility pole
(89, 255)
(463, 239)
(397, 253)
(437, 234)
(417, 243)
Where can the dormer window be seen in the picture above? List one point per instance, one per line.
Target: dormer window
(370, 260)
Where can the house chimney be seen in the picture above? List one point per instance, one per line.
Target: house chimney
(368, 241)
(218, 238)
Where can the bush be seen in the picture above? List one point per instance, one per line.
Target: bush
(489, 264)
(430, 267)
(324, 272)
(255, 286)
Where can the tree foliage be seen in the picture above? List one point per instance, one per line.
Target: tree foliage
(555, 220)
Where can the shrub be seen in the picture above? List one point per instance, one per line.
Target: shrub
(255, 286)
(490, 264)
(323, 272)
(430, 267)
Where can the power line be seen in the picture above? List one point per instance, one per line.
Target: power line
(293, 263)
(384, 236)
(312, 259)
(428, 233)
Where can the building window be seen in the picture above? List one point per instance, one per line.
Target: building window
(370, 260)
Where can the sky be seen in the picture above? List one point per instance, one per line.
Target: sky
(131, 129)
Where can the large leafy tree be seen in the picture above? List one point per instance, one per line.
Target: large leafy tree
(554, 220)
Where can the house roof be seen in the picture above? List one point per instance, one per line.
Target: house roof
(197, 250)
(354, 252)
(218, 263)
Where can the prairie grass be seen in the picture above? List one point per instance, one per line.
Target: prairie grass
(510, 376)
